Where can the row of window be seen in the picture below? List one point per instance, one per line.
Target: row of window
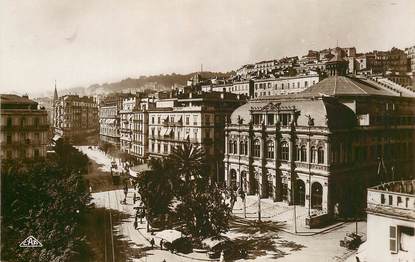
(23, 121)
(23, 138)
(316, 153)
(24, 153)
(282, 85)
(284, 119)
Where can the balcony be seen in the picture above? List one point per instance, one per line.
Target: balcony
(395, 198)
(25, 128)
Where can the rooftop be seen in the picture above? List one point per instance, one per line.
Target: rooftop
(393, 199)
(9, 101)
(15, 99)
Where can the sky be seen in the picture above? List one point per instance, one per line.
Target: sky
(84, 42)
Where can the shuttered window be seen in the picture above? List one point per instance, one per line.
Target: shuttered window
(393, 243)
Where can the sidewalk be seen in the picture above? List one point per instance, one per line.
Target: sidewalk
(140, 237)
(280, 212)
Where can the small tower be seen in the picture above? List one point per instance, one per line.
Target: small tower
(55, 95)
(54, 101)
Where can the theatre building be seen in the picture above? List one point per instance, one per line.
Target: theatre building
(323, 146)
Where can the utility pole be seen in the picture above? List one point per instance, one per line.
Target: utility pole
(259, 202)
(295, 211)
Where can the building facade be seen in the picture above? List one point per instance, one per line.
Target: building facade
(129, 105)
(282, 85)
(139, 135)
(390, 223)
(198, 118)
(75, 117)
(24, 128)
(109, 118)
(322, 146)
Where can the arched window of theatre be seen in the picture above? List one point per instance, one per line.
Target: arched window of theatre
(257, 149)
(230, 147)
(242, 148)
(320, 153)
(303, 154)
(313, 154)
(235, 147)
(285, 151)
(270, 149)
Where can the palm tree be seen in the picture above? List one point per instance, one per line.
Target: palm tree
(189, 162)
(156, 188)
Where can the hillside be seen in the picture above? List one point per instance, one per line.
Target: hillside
(155, 82)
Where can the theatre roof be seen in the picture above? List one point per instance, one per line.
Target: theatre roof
(342, 85)
(325, 111)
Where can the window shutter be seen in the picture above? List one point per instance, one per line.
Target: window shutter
(393, 244)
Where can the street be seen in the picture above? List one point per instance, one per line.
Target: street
(277, 229)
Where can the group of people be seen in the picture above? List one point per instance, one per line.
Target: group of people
(232, 194)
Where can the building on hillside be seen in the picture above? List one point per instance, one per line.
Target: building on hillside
(24, 128)
(390, 223)
(198, 118)
(322, 146)
(282, 85)
(109, 118)
(75, 118)
(410, 51)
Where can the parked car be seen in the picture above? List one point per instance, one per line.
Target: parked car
(180, 245)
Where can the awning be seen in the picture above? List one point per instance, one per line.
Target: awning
(135, 170)
(168, 132)
(212, 242)
(169, 235)
(164, 132)
(56, 137)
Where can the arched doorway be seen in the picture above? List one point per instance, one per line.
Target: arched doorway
(300, 192)
(232, 183)
(316, 195)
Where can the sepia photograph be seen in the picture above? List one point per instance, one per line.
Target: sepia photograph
(216, 130)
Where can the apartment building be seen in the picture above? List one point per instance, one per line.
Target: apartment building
(198, 118)
(24, 128)
(75, 117)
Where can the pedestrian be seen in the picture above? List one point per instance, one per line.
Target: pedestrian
(134, 198)
(336, 211)
(135, 224)
(152, 243)
(161, 244)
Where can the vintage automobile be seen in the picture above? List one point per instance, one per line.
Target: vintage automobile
(231, 250)
(351, 241)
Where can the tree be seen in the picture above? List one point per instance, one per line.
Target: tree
(45, 199)
(201, 209)
(204, 214)
(190, 165)
(156, 188)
